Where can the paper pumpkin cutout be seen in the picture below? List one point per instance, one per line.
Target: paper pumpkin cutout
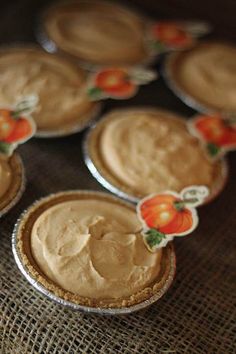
(16, 125)
(169, 214)
(217, 134)
(170, 35)
(118, 83)
(167, 35)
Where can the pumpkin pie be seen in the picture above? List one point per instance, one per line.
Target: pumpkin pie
(12, 182)
(86, 248)
(205, 76)
(60, 85)
(96, 32)
(136, 152)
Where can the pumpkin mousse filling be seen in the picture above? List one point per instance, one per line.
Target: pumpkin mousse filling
(208, 74)
(91, 248)
(60, 86)
(151, 152)
(97, 32)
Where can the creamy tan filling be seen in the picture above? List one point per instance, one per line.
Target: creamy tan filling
(59, 85)
(152, 152)
(97, 31)
(5, 176)
(209, 74)
(88, 247)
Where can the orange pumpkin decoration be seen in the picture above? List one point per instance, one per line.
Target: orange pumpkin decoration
(167, 214)
(22, 130)
(172, 34)
(216, 130)
(14, 128)
(115, 82)
(7, 124)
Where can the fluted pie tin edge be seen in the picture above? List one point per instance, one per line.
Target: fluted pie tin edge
(87, 121)
(50, 46)
(69, 304)
(91, 165)
(20, 191)
(183, 95)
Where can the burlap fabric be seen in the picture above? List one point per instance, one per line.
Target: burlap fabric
(197, 315)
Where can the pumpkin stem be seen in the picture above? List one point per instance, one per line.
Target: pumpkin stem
(179, 205)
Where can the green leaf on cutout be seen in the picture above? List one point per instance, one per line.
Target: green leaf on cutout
(154, 237)
(158, 46)
(213, 149)
(94, 92)
(5, 148)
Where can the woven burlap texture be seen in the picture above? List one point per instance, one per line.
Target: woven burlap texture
(196, 315)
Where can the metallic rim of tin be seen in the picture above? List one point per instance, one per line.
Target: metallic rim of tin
(131, 198)
(89, 118)
(50, 46)
(76, 128)
(20, 191)
(190, 101)
(98, 310)
(99, 177)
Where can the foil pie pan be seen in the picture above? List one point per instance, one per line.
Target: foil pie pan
(20, 191)
(184, 96)
(86, 122)
(50, 46)
(91, 165)
(74, 306)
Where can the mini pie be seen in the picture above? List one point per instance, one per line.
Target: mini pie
(138, 152)
(205, 76)
(12, 182)
(85, 247)
(60, 85)
(97, 32)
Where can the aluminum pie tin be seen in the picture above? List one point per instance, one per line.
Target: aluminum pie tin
(79, 124)
(100, 178)
(50, 46)
(72, 305)
(20, 190)
(98, 175)
(86, 121)
(168, 74)
(197, 28)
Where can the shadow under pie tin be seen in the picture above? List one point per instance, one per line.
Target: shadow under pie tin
(171, 72)
(99, 170)
(21, 246)
(63, 106)
(17, 185)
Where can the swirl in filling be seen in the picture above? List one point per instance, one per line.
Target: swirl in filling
(89, 248)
